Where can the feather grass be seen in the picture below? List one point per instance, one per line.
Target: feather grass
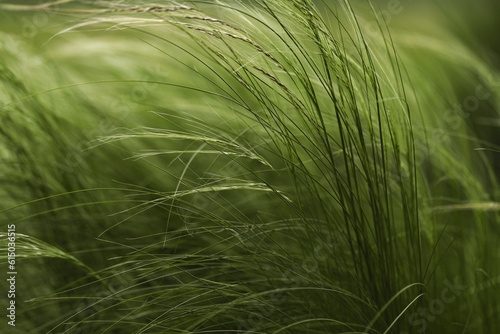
(295, 175)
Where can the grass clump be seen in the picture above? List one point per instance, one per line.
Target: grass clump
(257, 167)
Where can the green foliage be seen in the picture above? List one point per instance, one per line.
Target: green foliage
(270, 166)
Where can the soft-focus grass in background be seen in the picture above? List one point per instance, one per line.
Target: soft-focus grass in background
(256, 167)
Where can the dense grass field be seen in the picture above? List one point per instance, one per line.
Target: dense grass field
(263, 166)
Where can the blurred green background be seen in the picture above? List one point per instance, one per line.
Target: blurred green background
(37, 57)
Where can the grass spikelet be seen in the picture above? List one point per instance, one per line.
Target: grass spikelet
(268, 166)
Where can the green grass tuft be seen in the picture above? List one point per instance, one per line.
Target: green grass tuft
(269, 166)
